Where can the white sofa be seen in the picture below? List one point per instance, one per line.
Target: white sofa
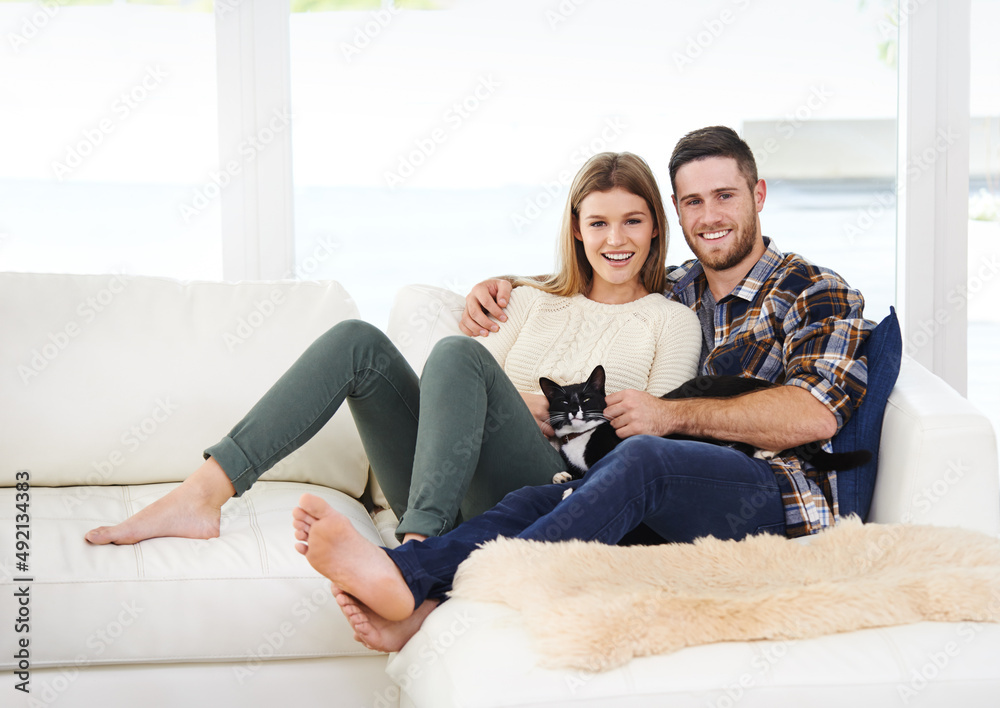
(111, 387)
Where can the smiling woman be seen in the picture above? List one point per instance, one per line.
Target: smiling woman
(614, 208)
(616, 229)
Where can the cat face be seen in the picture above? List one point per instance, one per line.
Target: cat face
(574, 408)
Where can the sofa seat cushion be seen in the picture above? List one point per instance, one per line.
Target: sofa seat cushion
(479, 655)
(246, 597)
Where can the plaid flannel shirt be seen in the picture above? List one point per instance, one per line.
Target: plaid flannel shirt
(792, 323)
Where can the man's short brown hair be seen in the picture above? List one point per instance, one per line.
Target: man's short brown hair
(715, 141)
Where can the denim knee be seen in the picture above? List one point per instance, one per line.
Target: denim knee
(633, 452)
(642, 445)
(456, 347)
(637, 460)
(360, 341)
(533, 501)
(354, 331)
(455, 354)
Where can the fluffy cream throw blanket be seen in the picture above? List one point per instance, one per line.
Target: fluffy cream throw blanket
(594, 607)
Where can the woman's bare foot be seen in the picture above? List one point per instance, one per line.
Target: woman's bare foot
(375, 631)
(192, 510)
(353, 564)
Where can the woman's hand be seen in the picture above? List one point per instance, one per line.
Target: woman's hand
(539, 407)
(634, 412)
(485, 299)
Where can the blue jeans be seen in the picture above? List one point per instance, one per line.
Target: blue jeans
(681, 490)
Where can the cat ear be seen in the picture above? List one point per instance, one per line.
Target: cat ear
(549, 387)
(597, 378)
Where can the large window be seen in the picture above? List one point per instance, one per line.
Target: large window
(983, 291)
(434, 140)
(438, 146)
(110, 138)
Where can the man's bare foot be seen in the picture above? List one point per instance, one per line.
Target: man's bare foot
(192, 510)
(352, 563)
(375, 631)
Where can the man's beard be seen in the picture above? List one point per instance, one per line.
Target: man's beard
(746, 238)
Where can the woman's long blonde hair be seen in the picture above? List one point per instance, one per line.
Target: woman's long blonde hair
(602, 173)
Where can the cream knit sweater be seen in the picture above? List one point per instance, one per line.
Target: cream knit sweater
(651, 344)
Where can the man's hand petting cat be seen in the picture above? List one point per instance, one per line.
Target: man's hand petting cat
(539, 407)
(634, 412)
(485, 299)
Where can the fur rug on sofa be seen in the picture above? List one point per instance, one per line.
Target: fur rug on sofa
(592, 606)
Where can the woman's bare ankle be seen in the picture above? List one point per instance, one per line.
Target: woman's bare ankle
(212, 482)
(191, 510)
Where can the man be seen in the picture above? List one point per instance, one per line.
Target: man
(764, 314)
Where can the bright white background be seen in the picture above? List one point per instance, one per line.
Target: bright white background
(110, 124)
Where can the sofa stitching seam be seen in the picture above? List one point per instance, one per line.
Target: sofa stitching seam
(255, 527)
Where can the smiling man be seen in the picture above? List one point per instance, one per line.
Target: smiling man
(718, 207)
(766, 315)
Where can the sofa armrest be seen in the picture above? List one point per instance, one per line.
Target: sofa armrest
(938, 457)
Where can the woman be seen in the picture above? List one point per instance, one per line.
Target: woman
(452, 443)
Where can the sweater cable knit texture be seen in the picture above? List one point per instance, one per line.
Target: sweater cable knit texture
(651, 344)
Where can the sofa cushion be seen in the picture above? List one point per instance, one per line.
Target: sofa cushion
(884, 349)
(113, 379)
(479, 655)
(420, 316)
(246, 597)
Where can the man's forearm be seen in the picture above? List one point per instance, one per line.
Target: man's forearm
(773, 419)
(484, 304)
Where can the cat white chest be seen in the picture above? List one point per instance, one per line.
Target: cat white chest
(575, 448)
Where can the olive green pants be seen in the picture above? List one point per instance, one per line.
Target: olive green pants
(444, 447)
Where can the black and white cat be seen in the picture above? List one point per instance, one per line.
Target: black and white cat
(576, 413)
